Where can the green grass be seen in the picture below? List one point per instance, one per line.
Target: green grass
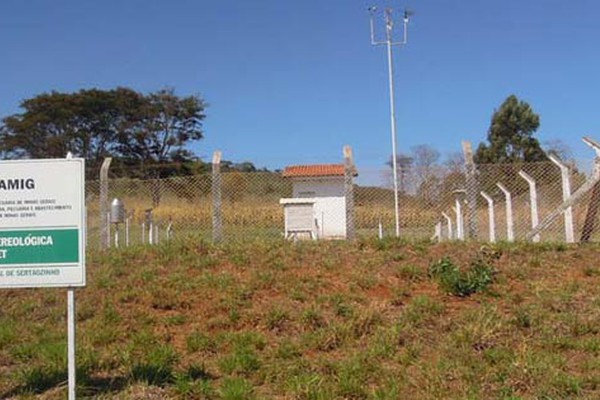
(326, 320)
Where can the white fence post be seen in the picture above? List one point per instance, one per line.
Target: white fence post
(592, 210)
(566, 190)
(532, 202)
(510, 233)
(449, 222)
(491, 216)
(437, 233)
(460, 222)
(103, 206)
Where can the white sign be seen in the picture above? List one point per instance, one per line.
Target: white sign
(42, 223)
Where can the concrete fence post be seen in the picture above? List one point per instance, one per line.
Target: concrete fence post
(471, 190)
(217, 216)
(491, 216)
(458, 209)
(349, 171)
(510, 230)
(566, 192)
(103, 206)
(533, 203)
(591, 216)
(449, 224)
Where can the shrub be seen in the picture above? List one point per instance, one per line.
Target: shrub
(461, 283)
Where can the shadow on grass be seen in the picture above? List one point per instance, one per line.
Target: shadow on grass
(39, 380)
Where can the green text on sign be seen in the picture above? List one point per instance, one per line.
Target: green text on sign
(39, 246)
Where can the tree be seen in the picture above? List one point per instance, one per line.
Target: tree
(425, 159)
(150, 130)
(85, 123)
(510, 135)
(160, 129)
(404, 164)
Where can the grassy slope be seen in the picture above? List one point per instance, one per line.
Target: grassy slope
(312, 321)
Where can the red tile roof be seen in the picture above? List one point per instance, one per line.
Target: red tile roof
(314, 170)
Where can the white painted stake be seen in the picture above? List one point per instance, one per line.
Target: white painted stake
(510, 233)
(566, 191)
(449, 223)
(532, 202)
(127, 232)
(380, 230)
(71, 343)
(491, 216)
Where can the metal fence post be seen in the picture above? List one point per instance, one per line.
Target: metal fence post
(471, 190)
(104, 225)
(349, 171)
(217, 216)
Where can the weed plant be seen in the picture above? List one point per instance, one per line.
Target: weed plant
(459, 282)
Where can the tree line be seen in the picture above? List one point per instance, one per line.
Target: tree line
(147, 135)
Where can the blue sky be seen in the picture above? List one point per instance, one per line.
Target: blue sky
(293, 81)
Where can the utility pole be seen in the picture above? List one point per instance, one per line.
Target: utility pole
(389, 42)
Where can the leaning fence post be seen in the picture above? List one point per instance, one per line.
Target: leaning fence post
(533, 202)
(566, 191)
(349, 171)
(471, 189)
(449, 223)
(104, 225)
(217, 216)
(510, 233)
(491, 216)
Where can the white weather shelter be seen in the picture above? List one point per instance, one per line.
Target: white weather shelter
(318, 206)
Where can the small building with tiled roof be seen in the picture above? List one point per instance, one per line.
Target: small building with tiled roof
(314, 170)
(317, 208)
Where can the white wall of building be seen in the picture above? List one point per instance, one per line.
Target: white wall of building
(330, 203)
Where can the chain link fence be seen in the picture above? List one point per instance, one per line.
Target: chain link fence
(433, 201)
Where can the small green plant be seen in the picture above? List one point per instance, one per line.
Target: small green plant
(242, 361)
(194, 383)
(410, 272)
(236, 389)
(157, 367)
(39, 378)
(461, 283)
(312, 319)
(288, 350)
(197, 341)
(276, 318)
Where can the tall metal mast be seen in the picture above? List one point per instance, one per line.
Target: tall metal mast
(389, 42)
